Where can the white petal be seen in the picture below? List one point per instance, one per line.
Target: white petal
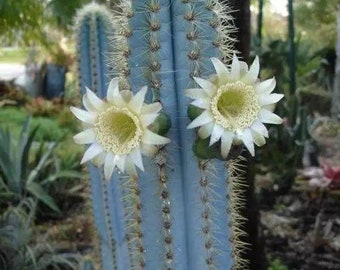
(221, 70)
(84, 116)
(205, 131)
(216, 134)
(251, 76)
(151, 108)
(227, 139)
(113, 90)
(265, 87)
(243, 68)
(201, 103)
(94, 150)
(88, 105)
(119, 161)
(148, 119)
(148, 150)
(270, 99)
(202, 119)
(235, 69)
(99, 160)
(268, 117)
(259, 140)
(196, 93)
(208, 86)
(269, 107)
(153, 138)
(85, 137)
(247, 139)
(126, 95)
(136, 158)
(94, 100)
(259, 128)
(130, 168)
(109, 166)
(137, 100)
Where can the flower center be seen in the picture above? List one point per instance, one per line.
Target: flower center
(118, 130)
(235, 106)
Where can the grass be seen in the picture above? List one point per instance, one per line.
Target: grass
(13, 56)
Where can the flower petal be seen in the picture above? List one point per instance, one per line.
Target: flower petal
(208, 86)
(216, 134)
(88, 105)
(94, 100)
(136, 158)
(235, 69)
(221, 69)
(84, 116)
(270, 99)
(153, 138)
(137, 100)
(148, 119)
(247, 139)
(268, 117)
(226, 142)
(109, 166)
(94, 150)
(251, 76)
(99, 160)
(258, 139)
(265, 87)
(259, 128)
(151, 108)
(202, 119)
(196, 93)
(149, 150)
(85, 137)
(119, 161)
(206, 130)
(113, 90)
(201, 103)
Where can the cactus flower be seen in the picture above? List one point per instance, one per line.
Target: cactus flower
(116, 129)
(235, 104)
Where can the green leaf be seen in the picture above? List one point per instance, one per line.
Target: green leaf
(37, 190)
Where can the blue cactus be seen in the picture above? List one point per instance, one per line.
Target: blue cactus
(182, 211)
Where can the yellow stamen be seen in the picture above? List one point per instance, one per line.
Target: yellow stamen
(118, 130)
(235, 106)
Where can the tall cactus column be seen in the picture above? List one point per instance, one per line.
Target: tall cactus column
(175, 208)
(92, 25)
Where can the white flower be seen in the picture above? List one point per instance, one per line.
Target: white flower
(116, 129)
(235, 105)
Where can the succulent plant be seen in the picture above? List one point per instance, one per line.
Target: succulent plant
(177, 208)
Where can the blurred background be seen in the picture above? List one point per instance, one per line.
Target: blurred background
(294, 181)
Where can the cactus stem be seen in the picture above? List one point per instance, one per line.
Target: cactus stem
(166, 209)
(235, 185)
(207, 197)
(133, 217)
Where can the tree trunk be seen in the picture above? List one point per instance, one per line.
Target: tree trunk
(255, 254)
(242, 22)
(260, 24)
(336, 89)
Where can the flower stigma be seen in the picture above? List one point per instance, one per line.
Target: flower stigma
(118, 130)
(235, 106)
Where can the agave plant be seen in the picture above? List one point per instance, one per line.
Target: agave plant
(26, 171)
(165, 196)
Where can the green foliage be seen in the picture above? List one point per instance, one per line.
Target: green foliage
(277, 265)
(316, 19)
(49, 128)
(19, 251)
(27, 169)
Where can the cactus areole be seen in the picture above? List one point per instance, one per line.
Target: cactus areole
(163, 123)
